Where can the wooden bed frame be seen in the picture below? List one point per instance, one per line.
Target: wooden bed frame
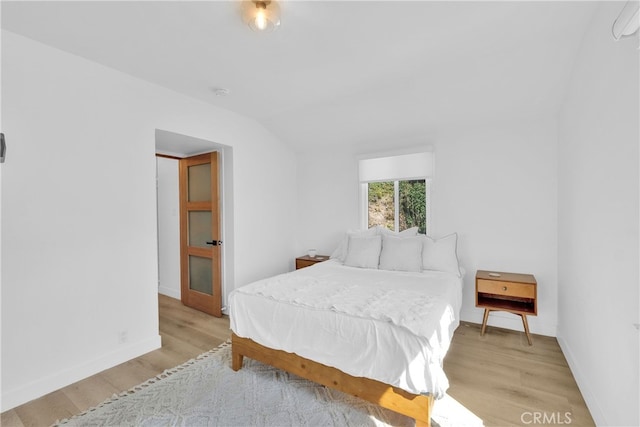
(385, 395)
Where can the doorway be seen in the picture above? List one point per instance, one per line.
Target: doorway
(170, 148)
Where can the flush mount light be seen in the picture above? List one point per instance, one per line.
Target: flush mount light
(261, 15)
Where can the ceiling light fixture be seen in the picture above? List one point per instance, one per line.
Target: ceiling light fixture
(261, 15)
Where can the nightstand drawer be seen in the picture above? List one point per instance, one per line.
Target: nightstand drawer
(302, 263)
(307, 261)
(506, 288)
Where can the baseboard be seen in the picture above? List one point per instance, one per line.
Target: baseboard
(596, 411)
(36, 389)
(173, 293)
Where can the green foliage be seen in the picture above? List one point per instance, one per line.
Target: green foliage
(412, 204)
(379, 190)
(381, 209)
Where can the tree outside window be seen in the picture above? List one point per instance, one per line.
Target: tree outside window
(398, 205)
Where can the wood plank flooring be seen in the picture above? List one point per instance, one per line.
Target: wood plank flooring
(506, 382)
(185, 333)
(498, 377)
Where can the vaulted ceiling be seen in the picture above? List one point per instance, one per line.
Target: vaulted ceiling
(335, 72)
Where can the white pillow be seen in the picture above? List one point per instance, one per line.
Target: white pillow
(409, 232)
(401, 253)
(363, 251)
(341, 251)
(441, 254)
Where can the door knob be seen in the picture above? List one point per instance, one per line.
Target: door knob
(214, 242)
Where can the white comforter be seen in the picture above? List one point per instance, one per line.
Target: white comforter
(394, 327)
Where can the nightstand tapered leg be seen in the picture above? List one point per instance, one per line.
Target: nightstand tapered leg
(484, 320)
(526, 328)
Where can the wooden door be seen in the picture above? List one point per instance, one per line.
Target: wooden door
(200, 245)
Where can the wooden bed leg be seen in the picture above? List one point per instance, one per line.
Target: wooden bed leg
(236, 356)
(429, 408)
(236, 360)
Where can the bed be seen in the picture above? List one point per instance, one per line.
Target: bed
(378, 333)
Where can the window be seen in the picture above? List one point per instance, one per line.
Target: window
(396, 191)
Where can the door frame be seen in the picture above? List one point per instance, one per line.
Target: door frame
(175, 146)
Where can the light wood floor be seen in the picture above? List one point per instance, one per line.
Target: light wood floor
(185, 333)
(506, 382)
(498, 377)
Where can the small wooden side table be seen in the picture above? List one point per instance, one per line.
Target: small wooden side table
(306, 260)
(512, 292)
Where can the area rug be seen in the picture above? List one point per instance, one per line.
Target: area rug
(206, 392)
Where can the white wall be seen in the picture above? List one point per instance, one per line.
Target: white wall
(79, 259)
(598, 223)
(327, 198)
(168, 227)
(495, 185)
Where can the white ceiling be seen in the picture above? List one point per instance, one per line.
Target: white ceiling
(355, 72)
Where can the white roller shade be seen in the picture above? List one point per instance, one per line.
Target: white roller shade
(403, 167)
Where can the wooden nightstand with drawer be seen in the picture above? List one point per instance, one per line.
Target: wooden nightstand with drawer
(306, 261)
(512, 292)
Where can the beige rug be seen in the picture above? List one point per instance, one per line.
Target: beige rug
(207, 392)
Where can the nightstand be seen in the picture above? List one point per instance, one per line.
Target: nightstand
(306, 261)
(512, 292)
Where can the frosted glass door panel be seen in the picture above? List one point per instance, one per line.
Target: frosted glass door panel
(199, 228)
(200, 274)
(200, 183)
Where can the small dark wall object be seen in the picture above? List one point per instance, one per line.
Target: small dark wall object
(3, 148)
